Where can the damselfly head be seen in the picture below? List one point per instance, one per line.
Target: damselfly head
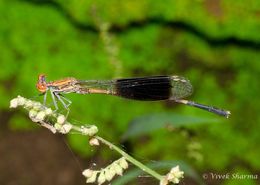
(41, 84)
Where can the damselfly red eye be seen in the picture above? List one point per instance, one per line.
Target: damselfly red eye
(41, 84)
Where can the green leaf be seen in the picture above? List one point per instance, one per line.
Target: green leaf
(152, 122)
(160, 165)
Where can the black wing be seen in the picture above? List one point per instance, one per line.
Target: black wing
(153, 88)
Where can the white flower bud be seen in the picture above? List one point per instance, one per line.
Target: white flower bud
(87, 173)
(29, 104)
(164, 181)
(48, 111)
(109, 176)
(84, 130)
(93, 130)
(94, 142)
(90, 131)
(14, 103)
(175, 175)
(101, 177)
(36, 106)
(118, 169)
(92, 178)
(65, 128)
(21, 100)
(112, 171)
(40, 116)
(176, 170)
(32, 113)
(123, 163)
(57, 126)
(61, 119)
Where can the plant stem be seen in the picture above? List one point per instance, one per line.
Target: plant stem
(131, 159)
(124, 154)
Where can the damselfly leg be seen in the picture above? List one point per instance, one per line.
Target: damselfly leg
(66, 106)
(53, 96)
(56, 96)
(45, 98)
(66, 99)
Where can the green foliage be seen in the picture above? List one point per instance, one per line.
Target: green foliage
(60, 40)
(152, 122)
(80, 144)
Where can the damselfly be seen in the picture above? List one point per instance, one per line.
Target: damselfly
(151, 88)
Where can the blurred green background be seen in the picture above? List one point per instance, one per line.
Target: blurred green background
(214, 43)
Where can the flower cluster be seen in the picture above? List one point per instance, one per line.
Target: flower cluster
(173, 176)
(106, 174)
(50, 119)
(43, 115)
(88, 130)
